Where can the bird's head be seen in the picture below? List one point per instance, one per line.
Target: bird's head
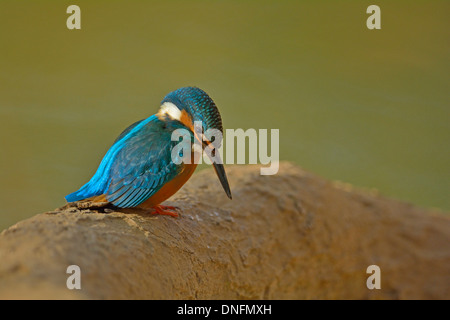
(190, 105)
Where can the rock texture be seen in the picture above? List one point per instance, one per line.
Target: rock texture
(288, 236)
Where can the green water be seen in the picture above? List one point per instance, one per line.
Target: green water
(368, 107)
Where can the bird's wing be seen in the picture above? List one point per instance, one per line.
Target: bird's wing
(127, 130)
(143, 164)
(98, 184)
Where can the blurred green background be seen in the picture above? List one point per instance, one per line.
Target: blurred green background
(368, 107)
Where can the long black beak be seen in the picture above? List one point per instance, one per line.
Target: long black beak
(220, 171)
(218, 167)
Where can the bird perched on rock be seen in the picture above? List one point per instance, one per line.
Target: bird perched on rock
(139, 170)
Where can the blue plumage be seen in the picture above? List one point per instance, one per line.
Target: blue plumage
(198, 104)
(135, 167)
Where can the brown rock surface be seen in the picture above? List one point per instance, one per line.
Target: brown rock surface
(288, 236)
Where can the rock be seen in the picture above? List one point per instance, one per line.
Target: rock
(288, 236)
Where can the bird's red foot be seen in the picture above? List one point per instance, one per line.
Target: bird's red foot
(165, 210)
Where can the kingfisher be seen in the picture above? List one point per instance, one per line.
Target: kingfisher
(139, 171)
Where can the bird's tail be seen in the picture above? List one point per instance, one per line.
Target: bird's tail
(84, 192)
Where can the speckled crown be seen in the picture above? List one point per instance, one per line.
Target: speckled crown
(198, 104)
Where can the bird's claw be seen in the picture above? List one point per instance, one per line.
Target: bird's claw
(165, 210)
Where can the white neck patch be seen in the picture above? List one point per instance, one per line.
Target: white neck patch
(168, 108)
